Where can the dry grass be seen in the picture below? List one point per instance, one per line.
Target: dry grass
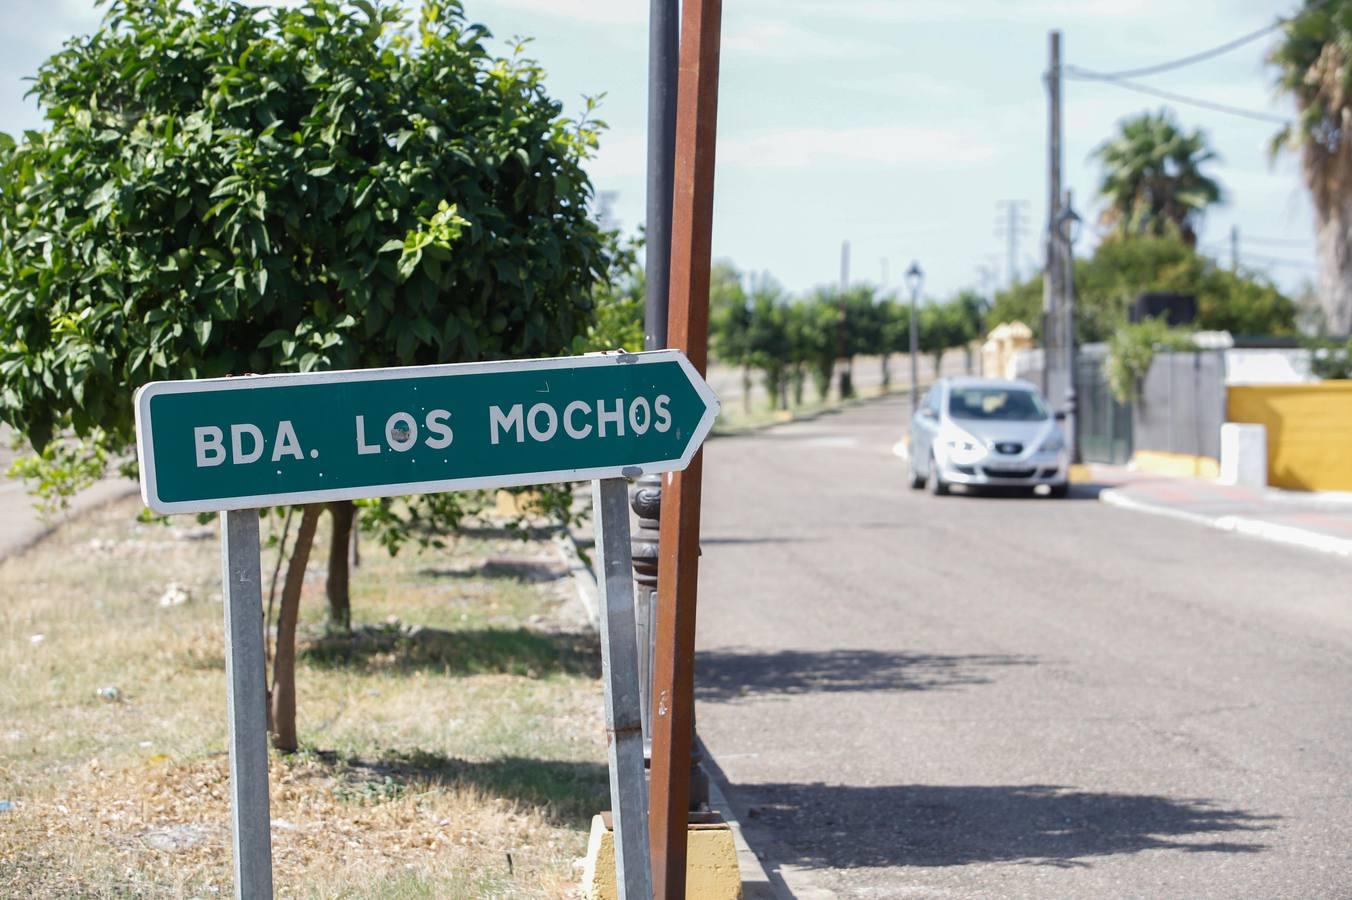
(462, 758)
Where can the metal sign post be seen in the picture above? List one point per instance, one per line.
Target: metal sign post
(673, 704)
(242, 585)
(237, 444)
(619, 664)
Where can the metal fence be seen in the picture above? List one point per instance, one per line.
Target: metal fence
(1105, 424)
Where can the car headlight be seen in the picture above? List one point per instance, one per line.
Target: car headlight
(1055, 443)
(964, 448)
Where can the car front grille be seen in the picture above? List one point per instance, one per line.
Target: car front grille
(1009, 473)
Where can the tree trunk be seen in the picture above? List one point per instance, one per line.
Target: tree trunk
(1335, 266)
(887, 371)
(746, 389)
(340, 601)
(356, 541)
(283, 694)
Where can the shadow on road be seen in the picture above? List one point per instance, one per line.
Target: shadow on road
(725, 675)
(823, 826)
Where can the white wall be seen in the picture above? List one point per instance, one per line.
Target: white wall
(1267, 366)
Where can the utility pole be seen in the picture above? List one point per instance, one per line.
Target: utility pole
(1234, 248)
(1052, 289)
(646, 499)
(1068, 231)
(1011, 224)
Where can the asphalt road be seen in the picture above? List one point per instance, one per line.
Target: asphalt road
(914, 696)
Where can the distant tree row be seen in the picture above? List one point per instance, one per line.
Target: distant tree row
(757, 325)
(1123, 267)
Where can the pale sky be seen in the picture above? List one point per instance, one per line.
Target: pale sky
(894, 124)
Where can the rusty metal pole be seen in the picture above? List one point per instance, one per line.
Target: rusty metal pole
(673, 703)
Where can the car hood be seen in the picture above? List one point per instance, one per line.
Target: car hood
(1030, 434)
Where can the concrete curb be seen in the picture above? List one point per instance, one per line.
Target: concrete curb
(1256, 528)
(756, 883)
(25, 528)
(584, 579)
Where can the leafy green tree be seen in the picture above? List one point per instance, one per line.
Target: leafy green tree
(1108, 282)
(618, 304)
(799, 326)
(220, 189)
(730, 322)
(1153, 178)
(1314, 68)
(768, 341)
(939, 330)
(822, 338)
(1132, 349)
(968, 312)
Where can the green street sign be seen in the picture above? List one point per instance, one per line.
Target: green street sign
(268, 440)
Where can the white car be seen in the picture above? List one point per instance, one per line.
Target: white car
(987, 432)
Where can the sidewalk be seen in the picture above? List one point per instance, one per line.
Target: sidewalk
(1316, 521)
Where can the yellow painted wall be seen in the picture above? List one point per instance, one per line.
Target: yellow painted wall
(1309, 431)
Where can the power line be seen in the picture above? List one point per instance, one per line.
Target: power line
(1275, 242)
(1205, 54)
(1279, 261)
(1219, 249)
(1081, 75)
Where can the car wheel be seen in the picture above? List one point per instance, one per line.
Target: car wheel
(1058, 491)
(917, 481)
(937, 486)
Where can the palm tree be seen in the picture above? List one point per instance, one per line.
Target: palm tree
(1153, 177)
(1314, 68)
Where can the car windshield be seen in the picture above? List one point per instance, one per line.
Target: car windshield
(996, 404)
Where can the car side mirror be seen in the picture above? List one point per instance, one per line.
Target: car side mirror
(1060, 415)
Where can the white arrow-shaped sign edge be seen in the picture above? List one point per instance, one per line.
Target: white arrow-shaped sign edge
(146, 451)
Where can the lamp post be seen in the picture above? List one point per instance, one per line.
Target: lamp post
(1068, 226)
(915, 277)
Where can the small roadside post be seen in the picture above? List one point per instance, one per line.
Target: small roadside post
(237, 445)
(619, 663)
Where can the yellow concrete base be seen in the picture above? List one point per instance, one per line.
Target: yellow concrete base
(711, 871)
(1079, 474)
(1182, 465)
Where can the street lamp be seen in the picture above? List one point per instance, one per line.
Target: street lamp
(915, 277)
(1068, 227)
